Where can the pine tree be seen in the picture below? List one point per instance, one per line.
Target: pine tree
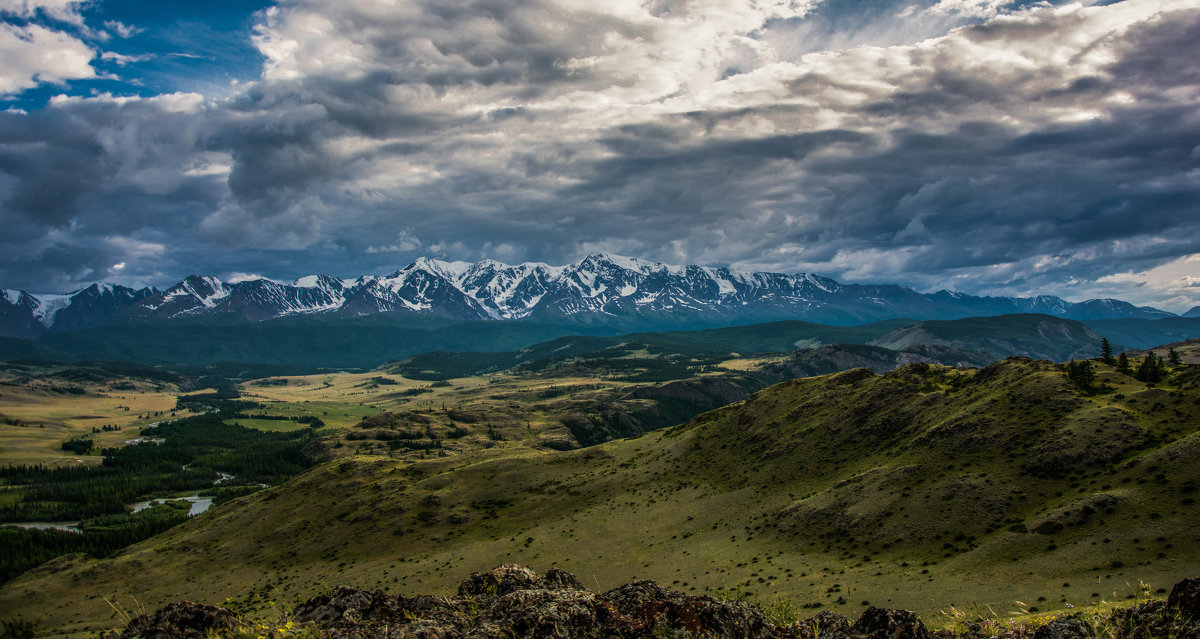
(1081, 374)
(1173, 357)
(1123, 364)
(1106, 351)
(1151, 369)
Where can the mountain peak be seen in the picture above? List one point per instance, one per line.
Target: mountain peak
(601, 290)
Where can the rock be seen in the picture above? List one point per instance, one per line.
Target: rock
(347, 606)
(1185, 599)
(825, 625)
(881, 623)
(556, 579)
(498, 581)
(182, 620)
(1145, 621)
(650, 608)
(514, 602)
(550, 614)
(1066, 628)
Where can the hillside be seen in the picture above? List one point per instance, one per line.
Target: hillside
(920, 488)
(819, 349)
(443, 349)
(1140, 333)
(1030, 335)
(1188, 351)
(314, 342)
(515, 601)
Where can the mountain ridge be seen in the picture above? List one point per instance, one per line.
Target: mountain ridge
(598, 290)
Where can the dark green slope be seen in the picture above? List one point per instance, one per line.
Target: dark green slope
(932, 461)
(819, 349)
(919, 488)
(1146, 333)
(1027, 334)
(12, 348)
(363, 342)
(676, 351)
(367, 342)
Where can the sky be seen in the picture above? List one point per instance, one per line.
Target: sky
(985, 146)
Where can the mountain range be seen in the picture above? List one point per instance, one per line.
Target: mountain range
(601, 291)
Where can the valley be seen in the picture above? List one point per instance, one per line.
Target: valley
(922, 487)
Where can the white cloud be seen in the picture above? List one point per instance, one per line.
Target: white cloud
(238, 277)
(135, 249)
(405, 242)
(121, 29)
(33, 54)
(969, 8)
(122, 59)
(64, 10)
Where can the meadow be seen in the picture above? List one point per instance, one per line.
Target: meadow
(930, 488)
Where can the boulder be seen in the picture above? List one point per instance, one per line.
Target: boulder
(498, 581)
(881, 623)
(1065, 628)
(181, 620)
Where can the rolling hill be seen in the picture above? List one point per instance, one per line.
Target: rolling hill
(920, 488)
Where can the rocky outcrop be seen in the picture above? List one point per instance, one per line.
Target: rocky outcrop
(514, 601)
(182, 620)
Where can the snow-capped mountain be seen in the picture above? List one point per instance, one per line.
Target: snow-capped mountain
(601, 290)
(251, 300)
(25, 315)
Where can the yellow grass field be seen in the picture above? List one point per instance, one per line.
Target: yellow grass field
(35, 419)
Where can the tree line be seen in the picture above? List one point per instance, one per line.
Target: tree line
(188, 456)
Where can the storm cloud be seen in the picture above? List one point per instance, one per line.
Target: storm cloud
(985, 146)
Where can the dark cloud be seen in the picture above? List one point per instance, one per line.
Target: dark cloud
(1033, 150)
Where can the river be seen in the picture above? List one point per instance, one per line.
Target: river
(199, 505)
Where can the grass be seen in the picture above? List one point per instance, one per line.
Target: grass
(38, 411)
(916, 489)
(269, 425)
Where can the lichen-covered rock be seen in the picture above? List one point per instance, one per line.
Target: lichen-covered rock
(557, 578)
(1185, 599)
(346, 606)
(498, 581)
(181, 620)
(1140, 622)
(551, 614)
(881, 623)
(825, 625)
(647, 607)
(514, 602)
(1066, 628)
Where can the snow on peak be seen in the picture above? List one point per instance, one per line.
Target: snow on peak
(195, 286)
(724, 286)
(453, 271)
(812, 279)
(634, 264)
(102, 288)
(319, 281)
(10, 295)
(46, 306)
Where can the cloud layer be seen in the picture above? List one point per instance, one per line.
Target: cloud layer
(1019, 149)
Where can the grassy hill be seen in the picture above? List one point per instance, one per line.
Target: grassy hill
(667, 355)
(1146, 333)
(363, 342)
(974, 341)
(921, 488)
(469, 348)
(1027, 334)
